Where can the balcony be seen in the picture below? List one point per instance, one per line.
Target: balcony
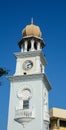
(24, 116)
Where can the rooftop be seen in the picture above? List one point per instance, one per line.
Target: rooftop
(58, 113)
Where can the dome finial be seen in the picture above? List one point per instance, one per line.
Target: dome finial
(32, 20)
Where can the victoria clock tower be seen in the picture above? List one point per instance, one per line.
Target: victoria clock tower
(29, 86)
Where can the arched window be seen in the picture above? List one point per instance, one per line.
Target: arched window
(25, 104)
(24, 98)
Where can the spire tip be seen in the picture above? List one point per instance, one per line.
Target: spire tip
(32, 20)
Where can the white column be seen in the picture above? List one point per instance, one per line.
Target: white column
(38, 64)
(22, 48)
(58, 123)
(32, 45)
(25, 46)
(38, 46)
(43, 68)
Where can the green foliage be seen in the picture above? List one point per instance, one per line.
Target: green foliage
(3, 72)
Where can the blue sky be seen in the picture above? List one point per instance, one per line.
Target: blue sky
(50, 15)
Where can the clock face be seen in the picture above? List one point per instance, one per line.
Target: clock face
(28, 64)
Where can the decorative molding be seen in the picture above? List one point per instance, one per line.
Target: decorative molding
(46, 116)
(32, 54)
(21, 94)
(32, 77)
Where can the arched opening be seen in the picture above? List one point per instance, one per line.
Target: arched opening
(29, 46)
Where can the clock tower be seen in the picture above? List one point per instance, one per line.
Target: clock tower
(29, 86)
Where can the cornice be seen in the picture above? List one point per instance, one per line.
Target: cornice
(31, 54)
(33, 77)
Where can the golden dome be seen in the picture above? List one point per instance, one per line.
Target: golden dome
(31, 30)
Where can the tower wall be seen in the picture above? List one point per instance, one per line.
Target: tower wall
(37, 87)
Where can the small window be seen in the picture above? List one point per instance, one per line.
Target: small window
(26, 104)
(62, 123)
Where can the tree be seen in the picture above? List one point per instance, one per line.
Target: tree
(3, 72)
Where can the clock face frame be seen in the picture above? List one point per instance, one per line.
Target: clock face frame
(27, 65)
(24, 94)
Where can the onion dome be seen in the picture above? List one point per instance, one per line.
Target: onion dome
(31, 30)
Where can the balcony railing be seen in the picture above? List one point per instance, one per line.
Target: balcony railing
(26, 115)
